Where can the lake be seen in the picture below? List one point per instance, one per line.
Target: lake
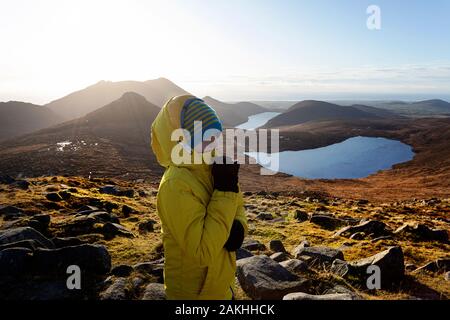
(356, 157)
(257, 120)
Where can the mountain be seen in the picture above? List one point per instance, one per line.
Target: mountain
(233, 114)
(110, 140)
(82, 102)
(311, 110)
(383, 113)
(17, 118)
(419, 108)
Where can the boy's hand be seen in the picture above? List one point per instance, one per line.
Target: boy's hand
(225, 175)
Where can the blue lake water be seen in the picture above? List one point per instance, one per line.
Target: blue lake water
(257, 120)
(356, 157)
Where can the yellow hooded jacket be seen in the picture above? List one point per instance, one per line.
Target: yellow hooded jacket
(196, 219)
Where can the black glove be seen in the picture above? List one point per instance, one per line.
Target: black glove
(236, 237)
(225, 176)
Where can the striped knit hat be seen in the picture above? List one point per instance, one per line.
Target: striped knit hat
(196, 109)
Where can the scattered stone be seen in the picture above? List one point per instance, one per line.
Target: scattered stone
(373, 227)
(126, 210)
(28, 244)
(67, 242)
(86, 210)
(390, 262)
(122, 270)
(146, 226)
(263, 279)
(300, 215)
(21, 184)
(242, 253)
(327, 222)
(80, 225)
(110, 230)
(102, 216)
(6, 179)
(253, 245)
(154, 291)
(439, 265)
(318, 254)
(10, 211)
(65, 195)
(40, 222)
(118, 290)
(276, 246)
(116, 191)
(54, 197)
(330, 296)
(279, 256)
(264, 216)
(24, 233)
(295, 265)
(144, 267)
(422, 232)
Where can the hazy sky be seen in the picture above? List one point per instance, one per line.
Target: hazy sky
(232, 50)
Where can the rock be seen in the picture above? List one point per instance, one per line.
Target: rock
(294, 265)
(116, 191)
(330, 296)
(144, 267)
(122, 270)
(53, 196)
(126, 210)
(242, 253)
(6, 179)
(146, 226)
(373, 227)
(118, 290)
(86, 210)
(14, 261)
(264, 216)
(390, 262)
(276, 246)
(422, 232)
(65, 195)
(91, 258)
(447, 276)
(21, 184)
(318, 254)
(262, 278)
(439, 265)
(279, 256)
(28, 244)
(67, 242)
(40, 222)
(10, 211)
(300, 215)
(110, 230)
(154, 291)
(253, 245)
(79, 225)
(102, 216)
(327, 222)
(24, 233)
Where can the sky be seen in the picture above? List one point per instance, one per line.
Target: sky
(229, 49)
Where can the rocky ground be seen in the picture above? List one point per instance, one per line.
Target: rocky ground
(300, 246)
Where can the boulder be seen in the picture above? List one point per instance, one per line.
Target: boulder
(279, 256)
(122, 270)
(294, 265)
(390, 262)
(154, 291)
(110, 230)
(91, 258)
(318, 254)
(253, 245)
(82, 224)
(327, 222)
(6, 179)
(330, 296)
(262, 278)
(127, 210)
(40, 222)
(242, 253)
(146, 226)
(276, 246)
(28, 244)
(24, 233)
(15, 261)
(21, 184)
(116, 191)
(102, 216)
(373, 227)
(264, 216)
(422, 232)
(67, 242)
(118, 290)
(300, 215)
(53, 196)
(10, 211)
(439, 265)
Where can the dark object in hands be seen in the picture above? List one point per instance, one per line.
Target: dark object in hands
(236, 237)
(225, 176)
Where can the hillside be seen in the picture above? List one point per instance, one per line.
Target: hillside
(17, 118)
(233, 114)
(82, 102)
(112, 140)
(311, 110)
(419, 108)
